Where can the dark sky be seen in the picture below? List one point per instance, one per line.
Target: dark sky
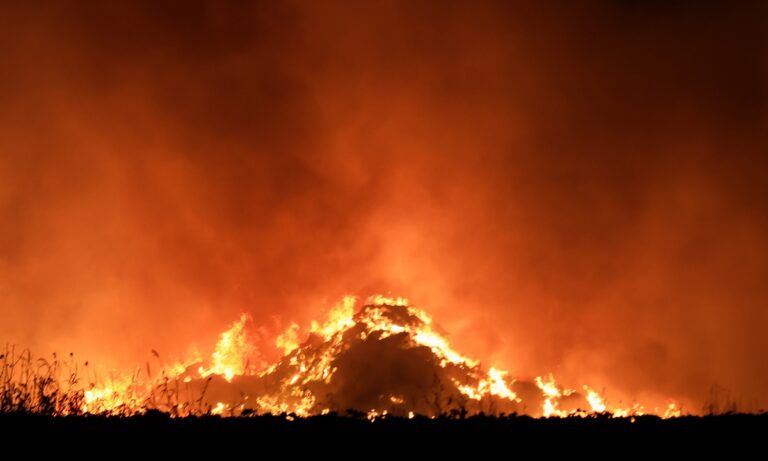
(575, 187)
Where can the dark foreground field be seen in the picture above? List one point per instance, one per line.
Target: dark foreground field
(339, 437)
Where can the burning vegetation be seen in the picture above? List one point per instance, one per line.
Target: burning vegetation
(380, 358)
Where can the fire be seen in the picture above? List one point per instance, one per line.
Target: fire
(595, 400)
(108, 398)
(314, 374)
(289, 340)
(672, 411)
(313, 365)
(551, 395)
(498, 385)
(339, 319)
(232, 352)
(219, 409)
(381, 300)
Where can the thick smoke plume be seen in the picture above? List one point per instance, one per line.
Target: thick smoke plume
(574, 188)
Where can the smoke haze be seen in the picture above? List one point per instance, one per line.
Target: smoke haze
(574, 188)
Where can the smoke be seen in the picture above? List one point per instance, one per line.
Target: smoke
(576, 189)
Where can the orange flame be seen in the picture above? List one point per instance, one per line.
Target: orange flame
(303, 365)
(230, 358)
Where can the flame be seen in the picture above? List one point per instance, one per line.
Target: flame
(672, 411)
(380, 300)
(635, 410)
(596, 402)
(219, 408)
(339, 319)
(498, 385)
(109, 398)
(289, 340)
(232, 352)
(551, 395)
(309, 364)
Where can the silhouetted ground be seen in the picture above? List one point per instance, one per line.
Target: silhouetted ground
(333, 436)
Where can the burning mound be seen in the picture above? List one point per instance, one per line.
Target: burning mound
(386, 358)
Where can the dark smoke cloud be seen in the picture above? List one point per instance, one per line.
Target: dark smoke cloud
(567, 188)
